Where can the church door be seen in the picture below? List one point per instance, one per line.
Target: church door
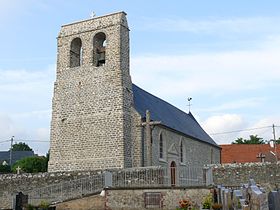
(173, 173)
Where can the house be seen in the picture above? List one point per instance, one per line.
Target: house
(248, 153)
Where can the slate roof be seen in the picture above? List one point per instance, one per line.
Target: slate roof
(16, 155)
(169, 115)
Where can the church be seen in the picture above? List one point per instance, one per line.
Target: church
(101, 120)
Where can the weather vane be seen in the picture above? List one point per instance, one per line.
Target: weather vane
(189, 100)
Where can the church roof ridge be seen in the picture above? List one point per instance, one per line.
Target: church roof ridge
(169, 115)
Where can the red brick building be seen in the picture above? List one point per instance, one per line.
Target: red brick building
(244, 153)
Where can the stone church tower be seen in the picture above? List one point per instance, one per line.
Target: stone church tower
(91, 118)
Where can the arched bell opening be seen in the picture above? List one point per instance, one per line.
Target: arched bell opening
(99, 49)
(76, 53)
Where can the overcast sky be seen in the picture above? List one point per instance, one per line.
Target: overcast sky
(223, 54)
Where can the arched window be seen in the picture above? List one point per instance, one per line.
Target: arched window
(173, 173)
(181, 152)
(99, 49)
(76, 52)
(211, 156)
(160, 146)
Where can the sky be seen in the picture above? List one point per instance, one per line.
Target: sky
(225, 55)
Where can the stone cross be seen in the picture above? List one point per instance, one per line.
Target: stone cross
(18, 170)
(92, 14)
(261, 156)
(148, 127)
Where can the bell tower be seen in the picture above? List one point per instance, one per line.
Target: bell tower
(91, 117)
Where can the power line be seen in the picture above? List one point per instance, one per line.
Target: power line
(4, 141)
(33, 140)
(236, 131)
(20, 140)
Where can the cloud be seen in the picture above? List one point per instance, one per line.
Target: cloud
(236, 104)
(14, 10)
(11, 9)
(8, 128)
(213, 25)
(25, 108)
(26, 87)
(208, 72)
(226, 128)
(220, 123)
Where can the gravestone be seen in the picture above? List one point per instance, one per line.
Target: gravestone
(21, 200)
(274, 200)
(252, 182)
(108, 179)
(219, 193)
(229, 199)
(226, 201)
(237, 195)
(222, 196)
(258, 198)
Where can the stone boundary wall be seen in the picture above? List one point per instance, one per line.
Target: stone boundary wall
(133, 199)
(265, 174)
(10, 184)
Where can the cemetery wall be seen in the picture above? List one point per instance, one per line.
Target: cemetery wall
(12, 183)
(135, 199)
(127, 199)
(265, 174)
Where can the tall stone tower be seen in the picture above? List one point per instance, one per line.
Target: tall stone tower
(91, 117)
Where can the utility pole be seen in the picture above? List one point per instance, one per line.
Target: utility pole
(11, 152)
(274, 139)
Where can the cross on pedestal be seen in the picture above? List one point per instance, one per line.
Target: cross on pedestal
(261, 156)
(148, 127)
(18, 170)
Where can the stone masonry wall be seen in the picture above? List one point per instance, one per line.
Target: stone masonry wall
(137, 138)
(134, 199)
(267, 175)
(195, 153)
(13, 183)
(91, 118)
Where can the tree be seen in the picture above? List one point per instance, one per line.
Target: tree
(254, 139)
(239, 141)
(5, 168)
(32, 164)
(21, 146)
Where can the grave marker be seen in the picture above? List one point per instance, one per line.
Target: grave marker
(274, 200)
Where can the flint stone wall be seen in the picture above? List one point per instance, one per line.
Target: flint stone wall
(91, 119)
(10, 184)
(266, 174)
(134, 199)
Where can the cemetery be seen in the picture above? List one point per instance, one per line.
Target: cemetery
(146, 188)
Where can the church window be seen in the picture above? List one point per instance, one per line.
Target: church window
(211, 156)
(160, 146)
(76, 52)
(99, 49)
(181, 152)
